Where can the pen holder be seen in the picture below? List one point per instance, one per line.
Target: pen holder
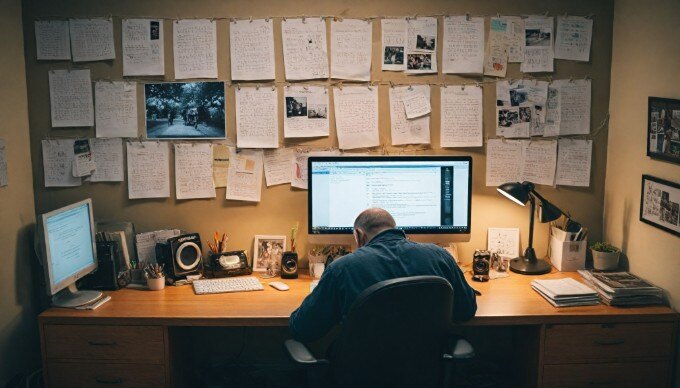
(156, 284)
(568, 256)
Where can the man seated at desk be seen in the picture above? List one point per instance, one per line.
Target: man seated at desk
(384, 253)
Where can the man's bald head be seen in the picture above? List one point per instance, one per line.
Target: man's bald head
(370, 222)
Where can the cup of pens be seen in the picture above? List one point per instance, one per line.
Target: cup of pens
(155, 277)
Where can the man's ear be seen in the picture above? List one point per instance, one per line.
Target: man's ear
(360, 237)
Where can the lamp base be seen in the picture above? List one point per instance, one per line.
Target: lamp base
(523, 265)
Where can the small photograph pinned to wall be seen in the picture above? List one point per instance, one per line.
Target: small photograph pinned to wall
(296, 106)
(425, 42)
(185, 110)
(419, 62)
(663, 129)
(660, 204)
(394, 55)
(317, 111)
(267, 253)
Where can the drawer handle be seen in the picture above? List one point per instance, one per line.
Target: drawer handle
(609, 342)
(109, 381)
(101, 343)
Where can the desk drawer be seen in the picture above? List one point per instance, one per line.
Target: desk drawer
(638, 375)
(607, 342)
(63, 374)
(143, 344)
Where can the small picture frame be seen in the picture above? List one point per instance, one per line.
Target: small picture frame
(267, 253)
(660, 204)
(663, 129)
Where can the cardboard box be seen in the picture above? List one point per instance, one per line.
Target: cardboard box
(568, 256)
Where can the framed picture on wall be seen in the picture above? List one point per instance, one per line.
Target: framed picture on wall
(663, 129)
(660, 204)
(267, 253)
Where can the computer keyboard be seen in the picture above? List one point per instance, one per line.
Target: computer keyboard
(218, 286)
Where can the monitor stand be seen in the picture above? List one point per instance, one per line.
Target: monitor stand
(72, 297)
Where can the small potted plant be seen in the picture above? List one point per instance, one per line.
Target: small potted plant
(155, 277)
(605, 256)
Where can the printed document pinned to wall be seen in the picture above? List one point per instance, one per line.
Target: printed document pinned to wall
(538, 45)
(244, 180)
(195, 48)
(257, 117)
(306, 112)
(393, 44)
(148, 167)
(461, 116)
(305, 55)
(573, 38)
(220, 164)
(574, 162)
(514, 38)
(520, 108)
(108, 158)
(193, 171)
(92, 39)
(58, 156)
(463, 50)
(277, 166)
(403, 129)
(496, 51)
(351, 43)
(421, 45)
(116, 108)
(251, 43)
(52, 40)
(356, 116)
(143, 47)
(520, 160)
(71, 98)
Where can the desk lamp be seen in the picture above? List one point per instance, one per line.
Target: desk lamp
(520, 193)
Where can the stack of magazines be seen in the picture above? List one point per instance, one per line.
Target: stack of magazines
(565, 292)
(623, 288)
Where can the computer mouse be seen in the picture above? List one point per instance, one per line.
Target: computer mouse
(280, 286)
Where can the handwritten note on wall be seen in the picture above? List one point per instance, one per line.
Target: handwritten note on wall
(71, 98)
(148, 170)
(143, 47)
(463, 50)
(538, 45)
(404, 130)
(421, 45)
(520, 160)
(496, 51)
(514, 38)
(108, 158)
(351, 42)
(251, 44)
(393, 44)
(277, 166)
(92, 39)
(52, 40)
(195, 48)
(573, 38)
(461, 116)
(306, 111)
(356, 116)
(116, 108)
(58, 156)
(304, 48)
(257, 117)
(573, 162)
(193, 171)
(244, 182)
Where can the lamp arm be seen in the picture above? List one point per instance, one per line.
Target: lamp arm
(532, 202)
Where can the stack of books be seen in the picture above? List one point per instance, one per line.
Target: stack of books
(623, 288)
(565, 292)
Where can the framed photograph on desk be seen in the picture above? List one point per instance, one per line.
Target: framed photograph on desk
(267, 252)
(660, 204)
(663, 129)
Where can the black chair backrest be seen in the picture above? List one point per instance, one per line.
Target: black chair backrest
(394, 335)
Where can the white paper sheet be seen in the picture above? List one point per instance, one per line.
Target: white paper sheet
(551, 127)
(193, 171)
(573, 38)
(421, 45)
(71, 98)
(146, 244)
(245, 185)
(251, 44)
(521, 108)
(277, 166)
(504, 241)
(503, 161)
(195, 48)
(52, 40)
(116, 108)
(539, 162)
(143, 47)
(108, 157)
(496, 52)
(58, 163)
(463, 49)
(351, 43)
(393, 44)
(83, 161)
(538, 45)
(92, 39)
(416, 105)
(148, 168)
(306, 111)
(356, 116)
(298, 167)
(220, 164)
(3, 164)
(574, 162)
(404, 130)
(257, 117)
(461, 116)
(514, 38)
(574, 102)
(304, 48)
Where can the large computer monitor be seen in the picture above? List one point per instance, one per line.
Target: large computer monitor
(428, 196)
(69, 253)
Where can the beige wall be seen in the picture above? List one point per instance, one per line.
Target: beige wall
(645, 62)
(19, 346)
(281, 207)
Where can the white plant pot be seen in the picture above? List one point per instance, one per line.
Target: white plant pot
(605, 261)
(155, 284)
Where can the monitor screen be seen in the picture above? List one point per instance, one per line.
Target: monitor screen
(424, 194)
(69, 244)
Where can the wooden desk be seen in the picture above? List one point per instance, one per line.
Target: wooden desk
(573, 346)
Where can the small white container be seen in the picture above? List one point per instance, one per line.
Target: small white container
(568, 256)
(155, 284)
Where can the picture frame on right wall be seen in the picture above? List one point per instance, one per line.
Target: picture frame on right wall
(660, 204)
(663, 129)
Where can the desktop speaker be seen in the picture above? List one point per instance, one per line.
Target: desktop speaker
(181, 256)
(289, 265)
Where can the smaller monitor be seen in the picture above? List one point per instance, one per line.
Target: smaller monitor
(69, 253)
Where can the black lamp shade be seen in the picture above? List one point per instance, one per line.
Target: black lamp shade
(548, 212)
(515, 191)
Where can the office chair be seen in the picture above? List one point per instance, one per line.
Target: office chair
(396, 334)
